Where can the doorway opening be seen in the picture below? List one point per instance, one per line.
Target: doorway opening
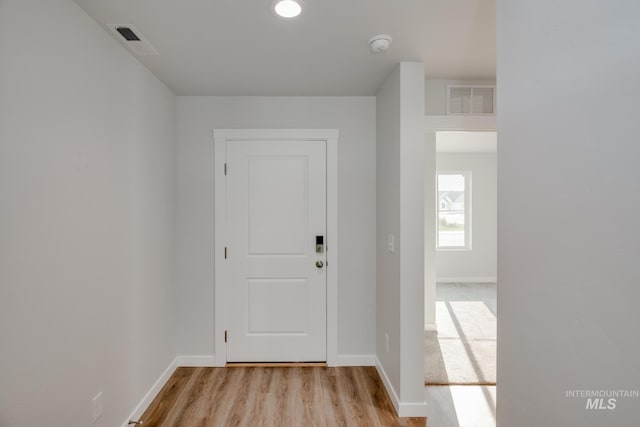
(460, 344)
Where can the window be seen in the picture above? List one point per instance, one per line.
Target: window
(454, 210)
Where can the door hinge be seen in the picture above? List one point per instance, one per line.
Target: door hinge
(225, 336)
(225, 169)
(225, 252)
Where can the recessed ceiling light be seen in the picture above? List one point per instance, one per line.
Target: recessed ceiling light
(287, 8)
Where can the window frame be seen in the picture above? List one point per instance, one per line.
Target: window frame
(467, 211)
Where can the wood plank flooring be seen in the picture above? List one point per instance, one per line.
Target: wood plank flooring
(274, 396)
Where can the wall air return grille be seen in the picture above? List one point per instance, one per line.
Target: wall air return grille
(132, 38)
(471, 99)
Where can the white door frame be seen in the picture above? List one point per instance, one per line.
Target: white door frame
(222, 273)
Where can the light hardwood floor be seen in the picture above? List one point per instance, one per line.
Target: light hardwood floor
(274, 396)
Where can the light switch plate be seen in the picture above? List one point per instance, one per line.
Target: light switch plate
(391, 243)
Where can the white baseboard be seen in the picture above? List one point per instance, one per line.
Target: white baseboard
(430, 327)
(467, 279)
(342, 360)
(356, 360)
(179, 361)
(403, 409)
(196, 361)
(152, 393)
(387, 384)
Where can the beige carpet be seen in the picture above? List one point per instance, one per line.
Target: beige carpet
(463, 351)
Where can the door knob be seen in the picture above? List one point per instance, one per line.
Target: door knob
(319, 264)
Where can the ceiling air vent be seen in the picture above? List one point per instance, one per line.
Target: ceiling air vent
(133, 39)
(471, 99)
(128, 34)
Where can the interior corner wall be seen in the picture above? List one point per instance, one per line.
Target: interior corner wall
(388, 227)
(400, 217)
(412, 181)
(354, 117)
(568, 209)
(479, 262)
(87, 297)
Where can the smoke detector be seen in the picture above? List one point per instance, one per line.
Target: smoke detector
(380, 43)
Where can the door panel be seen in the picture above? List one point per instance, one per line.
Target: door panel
(277, 205)
(276, 201)
(278, 306)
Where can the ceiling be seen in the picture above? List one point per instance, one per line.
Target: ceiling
(239, 47)
(466, 142)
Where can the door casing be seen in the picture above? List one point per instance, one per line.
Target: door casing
(222, 274)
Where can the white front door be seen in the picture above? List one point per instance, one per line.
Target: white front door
(276, 208)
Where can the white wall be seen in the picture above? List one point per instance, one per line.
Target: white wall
(388, 223)
(400, 212)
(435, 93)
(86, 225)
(479, 263)
(355, 119)
(568, 267)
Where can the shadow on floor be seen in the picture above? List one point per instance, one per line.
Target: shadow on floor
(462, 350)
